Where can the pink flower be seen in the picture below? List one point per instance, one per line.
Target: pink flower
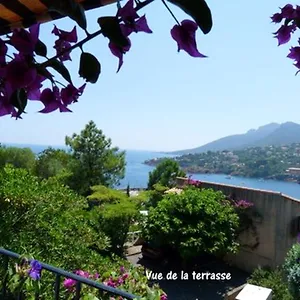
(243, 204)
(69, 284)
(82, 273)
(163, 297)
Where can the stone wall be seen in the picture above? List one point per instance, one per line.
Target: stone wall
(276, 225)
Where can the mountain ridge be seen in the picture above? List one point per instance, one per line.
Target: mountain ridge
(272, 134)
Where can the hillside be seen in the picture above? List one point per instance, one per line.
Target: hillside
(269, 162)
(272, 134)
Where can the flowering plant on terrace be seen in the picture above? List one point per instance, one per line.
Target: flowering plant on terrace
(243, 204)
(26, 70)
(26, 278)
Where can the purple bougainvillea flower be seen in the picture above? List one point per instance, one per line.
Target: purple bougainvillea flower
(60, 46)
(52, 101)
(132, 21)
(119, 52)
(69, 36)
(19, 74)
(128, 13)
(283, 34)
(35, 270)
(71, 94)
(141, 25)
(25, 41)
(122, 270)
(33, 90)
(277, 18)
(185, 36)
(297, 65)
(288, 11)
(294, 53)
(69, 284)
(97, 275)
(65, 38)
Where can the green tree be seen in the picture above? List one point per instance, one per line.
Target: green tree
(53, 163)
(165, 173)
(194, 222)
(96, 162)
(22, 158)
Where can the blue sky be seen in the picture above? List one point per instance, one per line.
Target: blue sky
(165, 100)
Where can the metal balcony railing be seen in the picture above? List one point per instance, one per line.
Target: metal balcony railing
(59, 274)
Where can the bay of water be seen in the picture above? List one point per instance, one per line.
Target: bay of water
(137, 174)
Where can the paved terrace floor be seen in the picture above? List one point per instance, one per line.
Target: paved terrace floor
(193, 289)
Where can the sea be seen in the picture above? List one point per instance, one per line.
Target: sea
(137, 173)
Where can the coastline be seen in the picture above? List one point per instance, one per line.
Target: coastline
(203, 171)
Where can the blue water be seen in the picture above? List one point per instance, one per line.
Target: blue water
(137, 174)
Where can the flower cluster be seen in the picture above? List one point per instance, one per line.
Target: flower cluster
(243, 204)
(123, 279)
(184, 34)
(290, 16)
(22, 77)
(32, 270)
(70, 283)
(193, 182)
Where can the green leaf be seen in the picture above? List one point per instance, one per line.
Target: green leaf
(43, 72)
(19, 101)
(40, 49)
(69, 8)
(199, 11)
(111, 29)
(89, 68)
(60, 68)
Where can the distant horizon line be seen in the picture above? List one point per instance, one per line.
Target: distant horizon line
(64, 146)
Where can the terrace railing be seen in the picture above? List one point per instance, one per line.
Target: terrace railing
(59, 274)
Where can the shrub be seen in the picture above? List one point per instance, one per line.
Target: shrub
(103, 195)
(194, 222)
(45, 218)
(115, 220)
(156, 194)
(292, 269)
(274, 280)
(47, 221)
(26, 279)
